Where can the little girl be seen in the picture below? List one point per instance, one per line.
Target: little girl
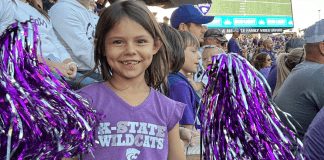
(139, 122)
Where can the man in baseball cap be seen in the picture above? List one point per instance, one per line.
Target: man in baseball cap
(302, 93)
(189, 18)
(214, 37)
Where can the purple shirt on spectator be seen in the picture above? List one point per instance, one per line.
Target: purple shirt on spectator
(128, 132)
(255, 41)
(233, 47)
(181, 91)
(265, 71)
(314, 138)
(272, 77)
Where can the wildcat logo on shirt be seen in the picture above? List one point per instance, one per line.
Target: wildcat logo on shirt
(136, 134)
(132, 153)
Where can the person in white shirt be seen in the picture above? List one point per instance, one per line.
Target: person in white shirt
(75, 25)
(53, 52)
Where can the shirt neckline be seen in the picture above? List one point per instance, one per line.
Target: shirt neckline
(125, 104)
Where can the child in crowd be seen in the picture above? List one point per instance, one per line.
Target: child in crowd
(54, 53)
(179, 86)
(177, 59)
(139, 121)
(207, 55)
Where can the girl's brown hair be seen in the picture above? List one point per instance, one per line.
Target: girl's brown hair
(176, 50)
(260, 60)
(158, 70)
(189, 39)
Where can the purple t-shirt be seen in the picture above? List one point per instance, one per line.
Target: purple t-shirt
(314, 138)
(127, 132)
(233, 47)
(181, 92)
(265, 71)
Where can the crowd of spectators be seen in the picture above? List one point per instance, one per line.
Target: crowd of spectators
(293, 66)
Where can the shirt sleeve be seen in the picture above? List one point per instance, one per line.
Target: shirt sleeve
(85, 95)
(68, 25)
(7, 14)
(176, 115)
(313, 140)
(182, 93)
(63, 54)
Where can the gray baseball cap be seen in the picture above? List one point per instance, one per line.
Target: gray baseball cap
(218, 34)
(294, 43)
(315, 33)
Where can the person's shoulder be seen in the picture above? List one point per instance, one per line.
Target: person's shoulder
(5, 3)
(310, 67)
(94, 88)
(231, 40)
(63, 7)
(319, 71)
(180, 85)
(167, 103)
(164, 99)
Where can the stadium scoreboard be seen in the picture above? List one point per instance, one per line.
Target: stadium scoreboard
(252, 15)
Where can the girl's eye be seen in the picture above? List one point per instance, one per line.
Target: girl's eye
(117, 42)
(205, 59)
(141, 41)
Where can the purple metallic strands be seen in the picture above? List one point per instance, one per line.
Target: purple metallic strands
(239, 120)
(40, 118)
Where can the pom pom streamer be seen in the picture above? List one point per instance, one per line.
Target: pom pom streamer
(239, 119)
(40, 118)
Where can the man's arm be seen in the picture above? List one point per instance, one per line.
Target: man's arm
(70, 28)
(63, 54)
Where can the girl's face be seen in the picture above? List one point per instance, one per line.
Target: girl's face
(268, 61)
(130, 49)
(191, 60)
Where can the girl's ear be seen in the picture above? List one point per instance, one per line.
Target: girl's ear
(157, 45)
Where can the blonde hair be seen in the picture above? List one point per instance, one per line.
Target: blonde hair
(285, 66)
